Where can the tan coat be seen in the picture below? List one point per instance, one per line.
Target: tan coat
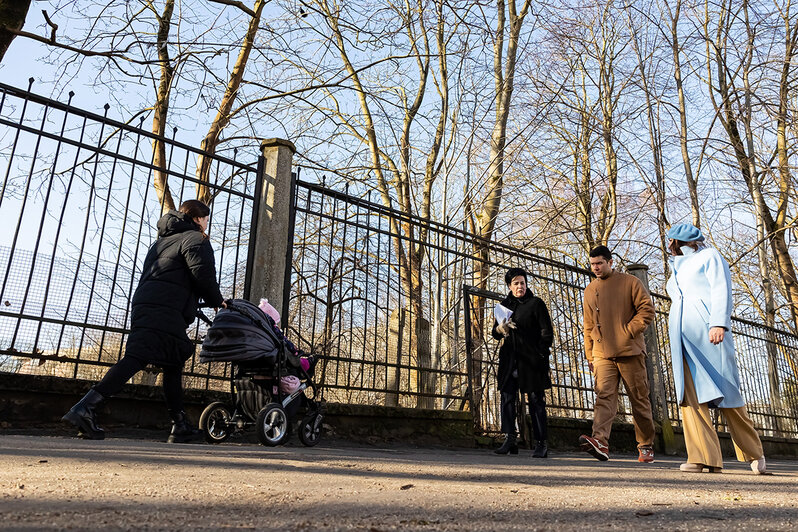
(616, 312)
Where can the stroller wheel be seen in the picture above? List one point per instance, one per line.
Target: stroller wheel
(216, 422)
(310, 429)
(272, 425)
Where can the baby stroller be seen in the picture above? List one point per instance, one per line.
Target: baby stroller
(245, 336)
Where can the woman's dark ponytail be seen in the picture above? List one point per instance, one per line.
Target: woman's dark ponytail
(195, 209)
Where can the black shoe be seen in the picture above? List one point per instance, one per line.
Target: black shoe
(508, 447)
(541, 449)
(182, 430)
(82, 415)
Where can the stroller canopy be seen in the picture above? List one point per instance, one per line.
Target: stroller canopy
(241, 332)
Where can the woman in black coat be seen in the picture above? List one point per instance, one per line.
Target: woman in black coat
(523, 361)
(179, 269)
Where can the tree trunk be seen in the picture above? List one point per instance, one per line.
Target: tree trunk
(743, 152)
(692, 183)
(211, 140)
(655, 141)
(503, 76)
(162, 109)
(12, 16)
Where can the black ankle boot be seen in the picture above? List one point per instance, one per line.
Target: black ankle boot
(182, 430)
(541, 449)
(82, 415)
(509, 445)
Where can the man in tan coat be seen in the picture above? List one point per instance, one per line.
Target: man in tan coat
(617, 309)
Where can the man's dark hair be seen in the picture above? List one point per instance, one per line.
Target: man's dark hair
(601, 251)
(512, 273)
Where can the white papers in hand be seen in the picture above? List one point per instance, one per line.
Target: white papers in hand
(501, 313)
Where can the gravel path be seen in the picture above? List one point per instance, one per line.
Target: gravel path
(49, 483)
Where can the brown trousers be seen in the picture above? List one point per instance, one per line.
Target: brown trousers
(700, 438)
(608, 374)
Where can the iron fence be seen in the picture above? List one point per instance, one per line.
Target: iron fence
(379, 293)
(349, 301)
(79, 211)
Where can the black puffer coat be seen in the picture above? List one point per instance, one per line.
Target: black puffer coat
(178, 270)
(526, 348)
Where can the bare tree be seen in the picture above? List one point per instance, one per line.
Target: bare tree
(676, 48)
(509, 22)
(731, 93)
(161, 107)
(647, 86)
(422, 32)
(223, 114)
(165, 45)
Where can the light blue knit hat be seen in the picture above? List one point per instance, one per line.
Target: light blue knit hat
(685, 233)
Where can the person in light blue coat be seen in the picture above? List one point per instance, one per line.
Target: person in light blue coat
(704, 366)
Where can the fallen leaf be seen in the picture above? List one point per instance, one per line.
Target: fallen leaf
(406, 487)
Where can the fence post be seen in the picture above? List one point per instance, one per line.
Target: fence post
(656, 379)
(272, 231)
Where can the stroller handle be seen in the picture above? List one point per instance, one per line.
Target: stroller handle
(201, 315)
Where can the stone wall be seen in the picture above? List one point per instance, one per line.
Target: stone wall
(38, 402)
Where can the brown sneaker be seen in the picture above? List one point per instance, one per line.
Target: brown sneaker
(646, 455)
(594, 447)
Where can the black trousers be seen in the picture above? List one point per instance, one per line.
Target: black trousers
(537, 411)
(122, 371)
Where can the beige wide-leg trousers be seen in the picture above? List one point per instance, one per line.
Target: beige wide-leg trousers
(700, 438)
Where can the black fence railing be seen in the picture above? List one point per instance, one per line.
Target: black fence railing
(352, 300)
(377, 292)
(79, 212)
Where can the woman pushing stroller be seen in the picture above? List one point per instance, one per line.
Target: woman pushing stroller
(178, 270)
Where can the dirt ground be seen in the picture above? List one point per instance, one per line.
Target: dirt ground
(49, 483)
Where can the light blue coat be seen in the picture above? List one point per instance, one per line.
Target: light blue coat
(700, 291)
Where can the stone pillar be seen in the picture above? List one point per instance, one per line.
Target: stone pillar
(656, 379)
(272, 233)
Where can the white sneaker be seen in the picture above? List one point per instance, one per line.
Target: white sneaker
(758, 466)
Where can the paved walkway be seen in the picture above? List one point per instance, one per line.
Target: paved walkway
(49, 483)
